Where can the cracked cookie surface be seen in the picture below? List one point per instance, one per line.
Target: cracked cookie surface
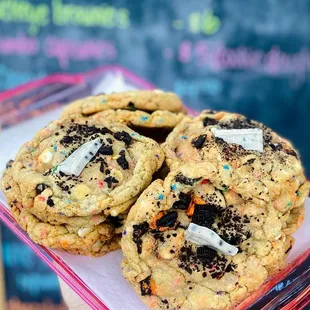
(169, 272)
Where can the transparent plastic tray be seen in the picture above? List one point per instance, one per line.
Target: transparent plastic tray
(26, 109)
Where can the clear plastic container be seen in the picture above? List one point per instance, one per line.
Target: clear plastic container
(26, 109)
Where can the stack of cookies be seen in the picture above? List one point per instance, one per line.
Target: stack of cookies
(72, 185)
(203, 236)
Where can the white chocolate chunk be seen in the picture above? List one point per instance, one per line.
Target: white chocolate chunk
(250, 139)
(205, 236)
(82, 232)
(46, 156)
(77, 161)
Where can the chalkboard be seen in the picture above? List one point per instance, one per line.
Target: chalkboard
(251, 57)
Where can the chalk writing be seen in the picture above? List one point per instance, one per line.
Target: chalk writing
(65, 50)
(19, 45)
(216, 56)
(89, 15)
(35, 16)
(204, 22)
(194, 87)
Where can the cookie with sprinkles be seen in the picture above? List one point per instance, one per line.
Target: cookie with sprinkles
(91, 240)
(250, 157)
(142, 110)
(190, 243)
(78, 168)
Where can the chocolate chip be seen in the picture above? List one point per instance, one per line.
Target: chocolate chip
(184, 180)
(40, 188)
(209, 121)
(168, 220)
(50, 202)
(110, 140)
(122, 161)
(110, 180)
(123, 136)
(199, 141)
(145, 286)
(183, 202)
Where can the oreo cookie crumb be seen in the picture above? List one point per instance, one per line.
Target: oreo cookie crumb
(183, 202)
(110, 181)
(122, 161)
(199, 141)
(123, 136)
(185, 180)
(50, 202)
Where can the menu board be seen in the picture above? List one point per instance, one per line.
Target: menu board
(249, 57)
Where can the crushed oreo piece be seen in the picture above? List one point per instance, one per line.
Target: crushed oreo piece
(50, 202)
(168, 220)
(199, 141)
(122, 161)
(138, 231)
(205, 253)
(110, 180)
(40, 188)
(183, 202)
(123, 136)
(209, 121)
(105, 150)
(145, 286)
(204, 215)
(185, 180)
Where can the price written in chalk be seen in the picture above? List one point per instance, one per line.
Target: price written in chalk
(204, 22)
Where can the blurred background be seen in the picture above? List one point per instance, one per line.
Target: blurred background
(251, 57)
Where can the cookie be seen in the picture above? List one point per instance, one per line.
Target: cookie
(141, 100)
(169, 270)
(139, 110)
(117, 166)
(274, 174)
(92, 240)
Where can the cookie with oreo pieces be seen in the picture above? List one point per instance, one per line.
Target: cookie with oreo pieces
(163, 265)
